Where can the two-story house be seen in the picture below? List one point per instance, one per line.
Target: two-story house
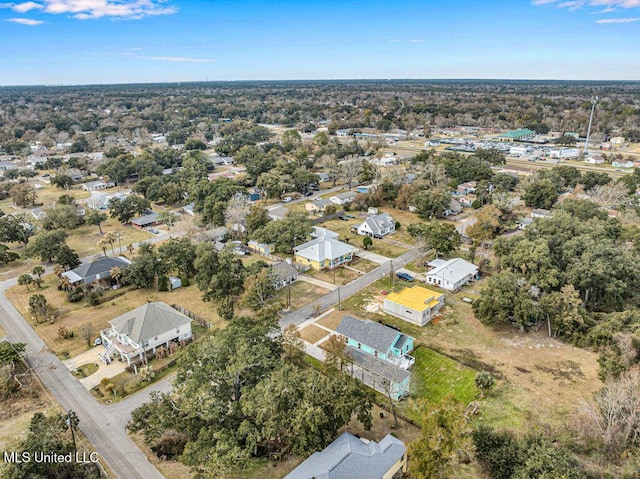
(142, 330)
(377, 226)
(379, 355)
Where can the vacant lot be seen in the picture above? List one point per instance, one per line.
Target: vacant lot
(539, 378)
(338, 276)
(301, 294)
(76, 316)
(436, 377)
(312, 333)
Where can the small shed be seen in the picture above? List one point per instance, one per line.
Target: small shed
(175, 282)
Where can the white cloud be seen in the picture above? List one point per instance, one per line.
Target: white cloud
(609, 5)
(91, 9)
(26, 7)
(25, 21)
(416, 40)
(618, 20)
(413, 40)
(181, 59)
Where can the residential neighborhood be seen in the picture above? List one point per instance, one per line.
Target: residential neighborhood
(341, 286)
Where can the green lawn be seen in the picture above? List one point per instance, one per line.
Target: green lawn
(435, 377)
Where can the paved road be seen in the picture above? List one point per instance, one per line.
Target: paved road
(299, 316)
(103, 429)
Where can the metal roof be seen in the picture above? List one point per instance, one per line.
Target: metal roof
(454, 270)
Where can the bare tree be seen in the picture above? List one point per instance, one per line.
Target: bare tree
(350, 169)
(237, 210)
(292, 343)
(612, 417)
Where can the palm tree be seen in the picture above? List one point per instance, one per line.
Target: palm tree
(103, 245)
(38, 271)
(38, 305)
(25, 280)
(58, 270)
(111, 239)
(116, 274)
(65, 284)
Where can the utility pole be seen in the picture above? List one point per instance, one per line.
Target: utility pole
(339, 305)
(594, 100)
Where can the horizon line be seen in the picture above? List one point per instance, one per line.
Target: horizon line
(312, 80)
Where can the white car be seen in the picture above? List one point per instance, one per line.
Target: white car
(287, 199)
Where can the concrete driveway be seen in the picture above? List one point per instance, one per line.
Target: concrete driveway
(373, 257)
(104, 370)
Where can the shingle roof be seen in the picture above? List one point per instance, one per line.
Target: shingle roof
(351, 458)
(345, 195)
(454, 270)
(378, 223)
(98, 269)
(146, 219)
(148, 321)
(323, 248)
(376, 335)
(285, 269)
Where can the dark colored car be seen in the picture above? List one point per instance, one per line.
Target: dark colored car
(405, 276)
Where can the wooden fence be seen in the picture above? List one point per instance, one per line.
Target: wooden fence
(190, 314)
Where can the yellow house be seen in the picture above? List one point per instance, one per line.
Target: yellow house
(323, 253)
(416, 305)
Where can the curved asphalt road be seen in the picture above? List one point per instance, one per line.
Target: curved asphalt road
(102, 425)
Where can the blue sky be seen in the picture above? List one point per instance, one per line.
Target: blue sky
(123, 41)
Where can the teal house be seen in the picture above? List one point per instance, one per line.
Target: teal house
(379, 355)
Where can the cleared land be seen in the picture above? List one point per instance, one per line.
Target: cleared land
(75, 316)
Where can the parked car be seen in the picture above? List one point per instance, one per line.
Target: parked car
(154, 231)
(287, 199)
(343, 218)
(308, 193)
(404, 276)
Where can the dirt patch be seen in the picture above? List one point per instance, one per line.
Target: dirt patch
(312, 333)
(332, 320)
(566, 372)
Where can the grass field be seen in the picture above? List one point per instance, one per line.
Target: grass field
(75, 316)
(435, 377)
(339, 276)
(312, 333)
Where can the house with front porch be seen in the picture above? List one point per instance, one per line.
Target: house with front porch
(324, 252)
(379, 355)
(143, 330)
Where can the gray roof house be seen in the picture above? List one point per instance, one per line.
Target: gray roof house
(283, 274)
(453, 274)
(377, 226)
(97, 185)
(96, 270)
(278, 213)
(349, 457)
(146, 220)
(454, 208)
(216, 234)
(144, 329)
(343, 198)
(379, 355)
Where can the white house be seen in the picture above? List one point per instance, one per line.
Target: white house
(97, 185)
(540, 213)
(343, 198)
(144, 329)
(451, 275)
(377, 226)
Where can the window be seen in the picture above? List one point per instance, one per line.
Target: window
(359, 346)
(375, 353)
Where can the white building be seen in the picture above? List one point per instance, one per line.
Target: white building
(144, 329)
(451, 275)
(377, 226)
(343, 198)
